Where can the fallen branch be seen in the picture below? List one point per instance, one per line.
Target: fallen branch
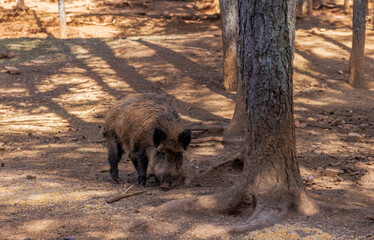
(125, 194)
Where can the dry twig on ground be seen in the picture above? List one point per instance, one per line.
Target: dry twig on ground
(125, 194)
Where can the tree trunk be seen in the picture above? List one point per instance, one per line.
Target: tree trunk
(20, 5)
(310, 7)
(291, 17)
(271, 177)
(61, 12)
(229, 21)
(300, 5)
(346, 6)
(356, 60)
(271, 169)
(236, 126)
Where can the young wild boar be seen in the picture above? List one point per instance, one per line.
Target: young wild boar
(149, 130)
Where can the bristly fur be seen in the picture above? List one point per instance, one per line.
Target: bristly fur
(136, 121)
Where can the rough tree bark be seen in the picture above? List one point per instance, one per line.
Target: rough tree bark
(236, 126)
(356, 59)
(271, 177)
(61, 13)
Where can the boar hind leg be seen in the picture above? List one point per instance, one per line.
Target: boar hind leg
(114, 156)
(141, 164)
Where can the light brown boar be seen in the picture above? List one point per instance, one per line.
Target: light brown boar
(149, 130)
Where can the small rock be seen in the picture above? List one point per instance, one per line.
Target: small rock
(2, 164)
(12, 70)
(314, 187)
(354, 137)
(30, 177)
(340, 72)
(3, 55)
(368, 179)
(320, 169)
(2, 148)
(332, 172)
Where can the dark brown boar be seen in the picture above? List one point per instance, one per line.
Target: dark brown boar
(149, 130)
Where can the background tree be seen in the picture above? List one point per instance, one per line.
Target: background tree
(346, 6)
(310, 7)
(20, 5)
(356, 60)
(229, 18)
(61, 13)
(271, 177)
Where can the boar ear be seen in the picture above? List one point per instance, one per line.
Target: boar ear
(185, 138)
(158, 136)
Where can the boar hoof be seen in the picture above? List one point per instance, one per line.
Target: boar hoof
(142, 181)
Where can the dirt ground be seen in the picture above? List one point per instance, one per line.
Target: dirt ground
(54, 179)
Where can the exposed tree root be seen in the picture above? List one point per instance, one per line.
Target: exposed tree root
(238, 155)
(216, 139)
(221, 202)
(208, 128)
(263, 216)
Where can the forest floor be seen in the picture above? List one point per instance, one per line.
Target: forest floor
(54, 179)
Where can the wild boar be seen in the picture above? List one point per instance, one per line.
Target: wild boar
(149, 130)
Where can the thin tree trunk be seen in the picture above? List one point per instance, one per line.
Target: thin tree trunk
(310, 7)
(346, 6)
(229, 18)
(20, 5)
(61, 12)
(356, 60)
(300, 6)
(291, 16)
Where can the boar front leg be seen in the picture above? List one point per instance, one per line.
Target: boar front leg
(141, 161)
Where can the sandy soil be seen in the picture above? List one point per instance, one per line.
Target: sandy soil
(54, 179)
